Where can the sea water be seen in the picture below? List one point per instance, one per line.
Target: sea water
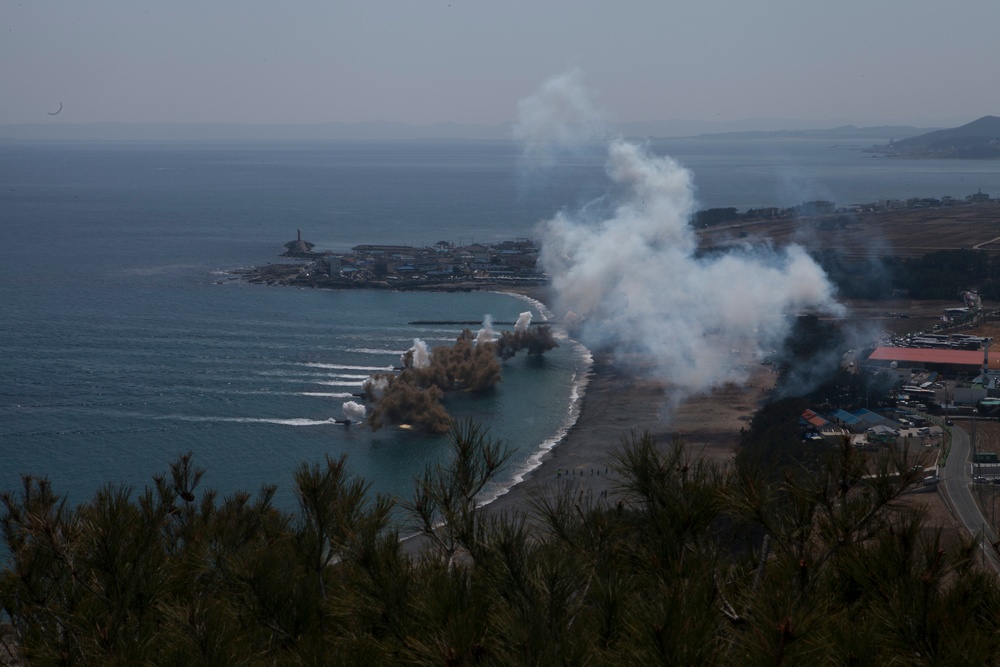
(125, 341)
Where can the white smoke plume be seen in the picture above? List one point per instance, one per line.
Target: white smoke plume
(523, 320)
(560, 118)
(486, 334)
(633, 280)
(354, 412)
(418, 356)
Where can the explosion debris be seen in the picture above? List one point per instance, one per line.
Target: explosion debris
(405, 402)
(414, 395)
(418, 356)
(534, 341)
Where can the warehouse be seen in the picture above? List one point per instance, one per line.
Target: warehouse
(953, 363)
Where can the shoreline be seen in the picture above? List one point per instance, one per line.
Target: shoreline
(618, 401)
(612, 403)
(581, 381)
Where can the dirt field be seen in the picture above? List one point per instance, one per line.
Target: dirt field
(903, 233)
(711, 424)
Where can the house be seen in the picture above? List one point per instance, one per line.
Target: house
(848, 421)
(883, 434)
(870, 418)
(821, 428)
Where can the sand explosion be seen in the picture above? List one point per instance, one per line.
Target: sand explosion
(414, 396)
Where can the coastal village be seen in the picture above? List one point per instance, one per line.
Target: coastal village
(370, 266)
(447, 265)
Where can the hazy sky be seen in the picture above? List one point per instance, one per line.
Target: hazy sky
(921, 62)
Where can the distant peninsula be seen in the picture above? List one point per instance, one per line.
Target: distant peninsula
(443, 266)
(907, 228)
(978, 140)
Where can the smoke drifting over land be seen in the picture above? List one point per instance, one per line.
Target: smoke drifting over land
(630, 277)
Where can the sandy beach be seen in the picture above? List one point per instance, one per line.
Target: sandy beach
(619, 402)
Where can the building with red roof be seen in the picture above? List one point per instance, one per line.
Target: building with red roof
(951, 362)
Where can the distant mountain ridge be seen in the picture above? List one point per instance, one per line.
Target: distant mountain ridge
(842, 133)
(979, 139)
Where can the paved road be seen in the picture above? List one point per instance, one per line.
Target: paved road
(956, 477)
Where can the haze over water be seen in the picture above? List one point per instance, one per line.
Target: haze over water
(124, 343)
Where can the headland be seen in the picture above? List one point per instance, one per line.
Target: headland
(897, 228)
(443, 266)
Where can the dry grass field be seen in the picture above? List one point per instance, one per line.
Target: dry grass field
(900, 233)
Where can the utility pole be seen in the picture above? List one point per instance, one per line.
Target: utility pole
(972, 442)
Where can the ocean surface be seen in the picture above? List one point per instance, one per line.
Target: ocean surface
(125, 342)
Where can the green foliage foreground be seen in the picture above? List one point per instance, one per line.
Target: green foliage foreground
(689, 564)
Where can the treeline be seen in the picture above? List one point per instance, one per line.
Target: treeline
(715, 216)
(691, 564)
(943, 274)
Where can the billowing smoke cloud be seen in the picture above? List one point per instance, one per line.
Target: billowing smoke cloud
(354, 412)
(418, 356)
(485, 334)
(523, 320)
(535, 341)
(374, 387)
(632, 278)
(407, 401)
